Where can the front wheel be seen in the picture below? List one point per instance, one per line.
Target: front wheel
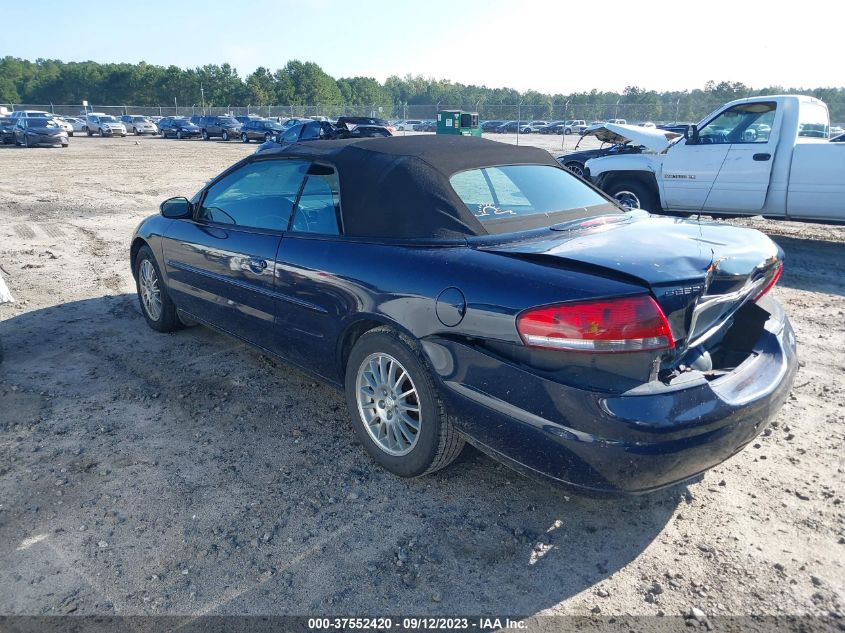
(158, 310)
(135, 131)
(396, 412)
(179, 135)
(205, 136)
(633, 194)
(576, 168)
(225, 135)
(88, 131)
(244, 138)
(100, 131)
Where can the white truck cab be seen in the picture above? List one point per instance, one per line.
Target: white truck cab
(758, 156)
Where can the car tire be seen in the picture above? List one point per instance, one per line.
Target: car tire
(575, 167)
(205, 136)
(225, 136)
(244, 138)
(179, 134)
(267, 137)
(162, 133)
(401, 450)
(100, 131)
(135, 131)
(70, 133)
(158, 309)
(634, 194)
(25, 142)
(88, 131)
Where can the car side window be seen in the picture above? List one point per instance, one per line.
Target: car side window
(318, 209)
(292, 135)
(311, 131)
(259, 195)
(744, 123)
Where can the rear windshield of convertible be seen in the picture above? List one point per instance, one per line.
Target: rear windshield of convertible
(520, 197)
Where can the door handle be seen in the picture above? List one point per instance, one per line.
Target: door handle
(257, 265)
(762, 157)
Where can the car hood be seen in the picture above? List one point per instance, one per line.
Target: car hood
(650, 138)
(699, 272)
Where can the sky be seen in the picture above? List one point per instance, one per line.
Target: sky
(552, 47)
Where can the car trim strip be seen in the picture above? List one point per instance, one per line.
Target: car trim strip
(246, 286)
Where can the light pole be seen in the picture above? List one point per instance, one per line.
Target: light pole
(563, 136)
(616, 115)
(202, 98)
(677, 107)
(518, 119)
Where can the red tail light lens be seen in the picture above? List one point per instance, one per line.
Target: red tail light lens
(771, 283)
(630, 324)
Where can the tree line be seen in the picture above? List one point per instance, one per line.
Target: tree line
(298, 83)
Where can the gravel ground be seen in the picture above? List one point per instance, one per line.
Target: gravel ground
(143, 473)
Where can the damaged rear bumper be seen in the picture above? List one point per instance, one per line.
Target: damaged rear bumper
(633, 442)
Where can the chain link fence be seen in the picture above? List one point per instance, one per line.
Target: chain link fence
(681, 111)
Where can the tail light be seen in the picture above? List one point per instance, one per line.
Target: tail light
(629, 324)
(771, 283)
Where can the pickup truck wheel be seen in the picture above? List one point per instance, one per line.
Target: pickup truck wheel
(575, 167)
(633, 194)
(396, 411)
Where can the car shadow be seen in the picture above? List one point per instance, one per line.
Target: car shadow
(813, 265)
(236, 484)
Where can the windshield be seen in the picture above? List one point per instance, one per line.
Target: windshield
(41, 123)
(521, 197)
(108, 119)
(227, 120)
(139, 119)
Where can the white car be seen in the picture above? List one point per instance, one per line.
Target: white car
(575, 126)
(137, 124)
(408, 125)
(534, 126)
(64, 124)
(104, 125)
(26, 114)
(76, 123)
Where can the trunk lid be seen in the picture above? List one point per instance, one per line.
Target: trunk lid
(700, 273)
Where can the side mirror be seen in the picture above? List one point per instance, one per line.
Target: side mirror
(176, 208)
(691, 135)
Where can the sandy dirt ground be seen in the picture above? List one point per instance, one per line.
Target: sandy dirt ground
(143, 473)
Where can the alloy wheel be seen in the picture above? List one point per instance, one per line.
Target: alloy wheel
(388, 403)
(627, 199)
(150, 291)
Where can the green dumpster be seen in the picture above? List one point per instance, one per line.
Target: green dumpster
(458, 122)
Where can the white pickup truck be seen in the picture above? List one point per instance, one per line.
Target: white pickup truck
(757, 156)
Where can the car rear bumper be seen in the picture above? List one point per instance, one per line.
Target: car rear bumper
(634, 442)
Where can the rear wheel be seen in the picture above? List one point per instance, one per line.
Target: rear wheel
(158, 310)
(633, 194)
(397, 414)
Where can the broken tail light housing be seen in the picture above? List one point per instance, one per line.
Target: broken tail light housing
(771, 283)
(628, 324)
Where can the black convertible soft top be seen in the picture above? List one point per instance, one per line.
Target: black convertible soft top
(398, 187)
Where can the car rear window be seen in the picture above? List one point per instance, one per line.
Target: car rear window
(521, 197)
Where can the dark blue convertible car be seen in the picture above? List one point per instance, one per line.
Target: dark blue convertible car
(463, 290)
